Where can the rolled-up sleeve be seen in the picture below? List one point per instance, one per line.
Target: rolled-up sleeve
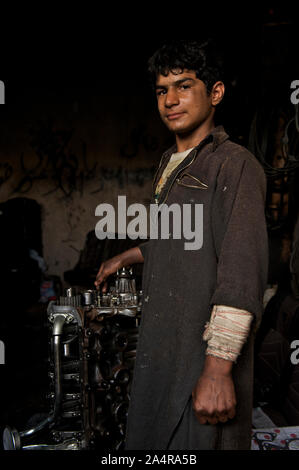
(240, 235)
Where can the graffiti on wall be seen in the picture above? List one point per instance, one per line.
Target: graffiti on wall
(6, 171)
(123, 177)
(68, 172)
(54, 161)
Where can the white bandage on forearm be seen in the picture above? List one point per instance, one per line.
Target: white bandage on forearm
(227, 331)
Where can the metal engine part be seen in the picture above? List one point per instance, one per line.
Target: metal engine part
(92, 349)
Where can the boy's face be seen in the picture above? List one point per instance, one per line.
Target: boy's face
(183, 102)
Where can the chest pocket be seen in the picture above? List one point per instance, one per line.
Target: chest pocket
(189, 181)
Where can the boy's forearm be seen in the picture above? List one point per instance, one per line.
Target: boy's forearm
(131, 256)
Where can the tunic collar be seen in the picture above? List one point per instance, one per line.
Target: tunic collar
(217, 135)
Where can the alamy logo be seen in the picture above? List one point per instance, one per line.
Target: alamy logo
(295, 354)
(295, 94)
(187, 222)
(2, 93)
(2, 353)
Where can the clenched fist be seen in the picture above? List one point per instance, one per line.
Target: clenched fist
(214, 398)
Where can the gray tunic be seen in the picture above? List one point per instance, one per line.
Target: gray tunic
(180, 287)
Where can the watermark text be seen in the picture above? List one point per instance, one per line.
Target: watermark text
(159, 222)
(295, 94)
(2, 353)
(2, 92)
(295, 354)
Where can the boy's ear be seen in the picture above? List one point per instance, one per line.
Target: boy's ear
(217, 93)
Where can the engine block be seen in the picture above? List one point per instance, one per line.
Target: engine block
(92, 349)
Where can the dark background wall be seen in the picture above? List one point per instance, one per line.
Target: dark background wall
(80, 126)
(73, 146)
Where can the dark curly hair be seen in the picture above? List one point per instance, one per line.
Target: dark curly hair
(177, 55)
